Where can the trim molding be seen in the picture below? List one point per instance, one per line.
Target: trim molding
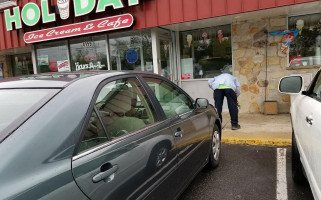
(7, 4)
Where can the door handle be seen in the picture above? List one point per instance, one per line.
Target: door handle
(309, 119)
(179, 133)
(106, 171)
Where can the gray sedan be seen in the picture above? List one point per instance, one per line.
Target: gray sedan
(95, 135)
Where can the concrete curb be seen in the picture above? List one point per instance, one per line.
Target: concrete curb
(258, 129)
(257, 141)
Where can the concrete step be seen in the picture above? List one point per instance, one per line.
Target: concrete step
(258, 129)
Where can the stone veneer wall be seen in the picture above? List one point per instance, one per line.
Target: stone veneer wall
(249, 60)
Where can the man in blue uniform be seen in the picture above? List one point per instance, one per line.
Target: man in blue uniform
(226, 85)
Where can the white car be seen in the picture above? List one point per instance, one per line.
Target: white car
(306, 125)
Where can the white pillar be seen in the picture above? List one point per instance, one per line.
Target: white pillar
(156, 51)
(178, 59)
(108, 53)
(34, 59)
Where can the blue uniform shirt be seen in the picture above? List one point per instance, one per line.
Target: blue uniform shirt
(227, 80)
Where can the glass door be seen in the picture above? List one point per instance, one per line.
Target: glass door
(131, 51)
(166, 61)
(21, 64)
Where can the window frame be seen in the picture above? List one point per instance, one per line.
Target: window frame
(309, 92)
(288, 54)
(91, 108)
(66, 44)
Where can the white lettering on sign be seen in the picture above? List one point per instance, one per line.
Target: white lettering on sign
(89, 27)
(34, 36)
(93, 26)
(31, 12)
(113, 24)
(89, 66)
(57, 33)
(88, 44)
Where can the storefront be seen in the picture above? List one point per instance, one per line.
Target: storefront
(187, 41)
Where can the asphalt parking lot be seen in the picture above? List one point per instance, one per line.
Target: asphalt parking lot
(249, 172)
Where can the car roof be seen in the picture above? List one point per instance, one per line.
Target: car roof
(55, 79)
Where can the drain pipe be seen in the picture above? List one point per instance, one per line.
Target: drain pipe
(266, 62)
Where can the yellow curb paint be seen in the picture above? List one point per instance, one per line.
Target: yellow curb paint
(257, 141)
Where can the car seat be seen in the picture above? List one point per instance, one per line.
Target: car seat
(113, 114)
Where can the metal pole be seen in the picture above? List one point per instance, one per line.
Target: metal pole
(266, 62)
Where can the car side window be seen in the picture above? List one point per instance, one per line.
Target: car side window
(172, 100)
(94, 134)
(124, 107)
(317, 88)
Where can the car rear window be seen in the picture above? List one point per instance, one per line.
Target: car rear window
(17, 105)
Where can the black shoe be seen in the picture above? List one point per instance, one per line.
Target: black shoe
(235, 127)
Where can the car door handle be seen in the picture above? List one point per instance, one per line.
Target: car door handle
(106, 171)
(309, 119)
(179, 133)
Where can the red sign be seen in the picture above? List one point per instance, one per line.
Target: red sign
(186, 76)
(295, 60)
(83, 28)
(63, 64)
(53, 65)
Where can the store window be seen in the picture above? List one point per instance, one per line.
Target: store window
(21, 64)
(89, 53)
(205, 52)
(305, 50)
(131, 51)
(53, 57)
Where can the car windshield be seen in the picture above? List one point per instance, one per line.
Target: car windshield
(17, 105)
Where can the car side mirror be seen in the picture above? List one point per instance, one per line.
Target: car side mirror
(291, 84)
(201, 103)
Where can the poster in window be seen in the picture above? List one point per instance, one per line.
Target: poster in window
(132, 56)
(43, 60)
(63, 66)
(149, 66)
(187, 68)
(53, 66)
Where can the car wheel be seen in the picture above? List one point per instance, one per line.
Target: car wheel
(215, 150)
(297, 169)
(158, 156)
(161, 156)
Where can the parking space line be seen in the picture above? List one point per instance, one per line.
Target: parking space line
(281, 184)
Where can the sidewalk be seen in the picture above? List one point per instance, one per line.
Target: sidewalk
(258, 129)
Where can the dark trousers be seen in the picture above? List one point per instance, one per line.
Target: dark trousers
(231, 97)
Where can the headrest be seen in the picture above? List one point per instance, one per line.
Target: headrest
(121, 102)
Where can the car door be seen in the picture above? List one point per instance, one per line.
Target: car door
(191, 129)
(125, 151)
(308, 123)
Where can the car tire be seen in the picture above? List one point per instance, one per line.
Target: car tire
(297, 169)
(215, 149)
